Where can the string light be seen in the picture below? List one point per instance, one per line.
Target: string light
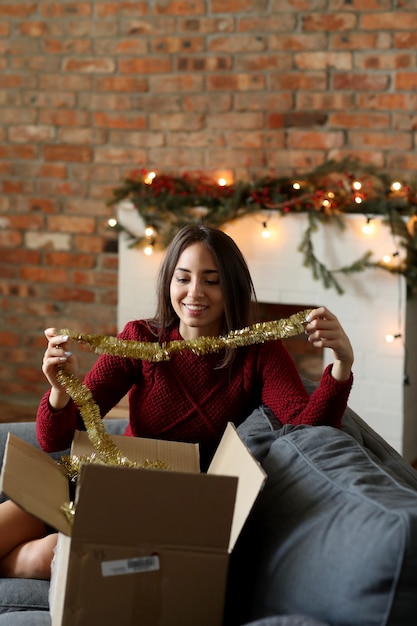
(368, 228)
(150, 231)
(222, 182)
(148, 179)
(266, 233)
(357, 186)
(148, 250)
(390, 338)
(112, 222)
(296, 186)
(396, 186)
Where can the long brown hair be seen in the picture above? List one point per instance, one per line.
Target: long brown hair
(234, 276)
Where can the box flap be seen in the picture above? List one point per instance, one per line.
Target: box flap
(35, 482)
(180, 457)
(233, 458)
(153, 507)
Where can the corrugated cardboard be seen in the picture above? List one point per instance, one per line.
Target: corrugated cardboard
(146, 547)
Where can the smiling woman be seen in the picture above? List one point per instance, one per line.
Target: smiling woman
(196, 294)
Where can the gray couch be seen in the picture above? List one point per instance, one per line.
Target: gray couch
(332, 539)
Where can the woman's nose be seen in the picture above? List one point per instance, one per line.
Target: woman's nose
(195, 288)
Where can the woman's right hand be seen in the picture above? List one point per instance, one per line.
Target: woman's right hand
(55, 355)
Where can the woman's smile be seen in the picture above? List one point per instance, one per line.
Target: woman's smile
(195, 292)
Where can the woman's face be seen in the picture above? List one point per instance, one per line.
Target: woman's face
(195, 293)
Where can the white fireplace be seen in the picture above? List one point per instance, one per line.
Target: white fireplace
(374, 304)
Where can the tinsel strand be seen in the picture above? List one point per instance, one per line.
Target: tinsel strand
(155, 352)
(105, 449)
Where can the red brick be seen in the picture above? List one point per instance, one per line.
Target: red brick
(68, 154)
(33, 29)
(9, 338)
(400, 20)
(121, 84)
(387, 101)
(126, 121)
(120, 155)
(180, 7)
(206, 25)
(173, 45)
(233, 6)
(361, 82)
(330, 22)
(69, 260)
(95, 278)
(359, 120)
(66, 9)
(176, 84)
(18, 152)
(406, 81)
(89, 66)
(145, 66)
(308, 140)
(73, 224)
(240, 82)
(297, 41)
(10, 238)
(61, 46)
(23, 134)
(299, 81)
(126, 9)
(65, 117)
(68, 293)
(44, 275)
(320, 60)
(382, 140)
(18, 10)
(19, 256)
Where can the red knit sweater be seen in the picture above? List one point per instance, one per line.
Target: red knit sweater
(190, 399)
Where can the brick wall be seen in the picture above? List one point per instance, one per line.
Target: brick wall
(90, 90)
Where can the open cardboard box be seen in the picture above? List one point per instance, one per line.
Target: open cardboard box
(146, 547)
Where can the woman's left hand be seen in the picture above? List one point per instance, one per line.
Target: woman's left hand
(325, 331)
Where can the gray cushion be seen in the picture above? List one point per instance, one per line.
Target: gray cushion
(27, 618)
(23, 594)
(333, 534)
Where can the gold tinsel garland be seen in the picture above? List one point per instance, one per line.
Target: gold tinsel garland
(106, 451)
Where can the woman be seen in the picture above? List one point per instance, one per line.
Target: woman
(204, 289)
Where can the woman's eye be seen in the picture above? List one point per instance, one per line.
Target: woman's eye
(212, 282)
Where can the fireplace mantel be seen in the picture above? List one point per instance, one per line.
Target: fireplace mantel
(374, 304)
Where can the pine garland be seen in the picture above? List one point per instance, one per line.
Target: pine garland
(326, 194)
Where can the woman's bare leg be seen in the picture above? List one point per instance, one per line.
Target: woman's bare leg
(30, 560)
(24, 548)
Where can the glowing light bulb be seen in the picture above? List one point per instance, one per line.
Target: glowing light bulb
(150, 231)
(148, 179)
(396, 186)
(390, 338)
(222, 182)
(148, 250)
(386, 258)
(326, 203)
(358, 200)
(112, 222)
(296, 186)
(368, 228)
(357, 186)
(266, 233)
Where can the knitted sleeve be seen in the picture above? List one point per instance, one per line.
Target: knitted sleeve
(284, 393)
(109, 380)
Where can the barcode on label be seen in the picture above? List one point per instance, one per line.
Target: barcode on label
(130, 566)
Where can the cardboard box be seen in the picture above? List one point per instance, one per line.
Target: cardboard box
(146, 547)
